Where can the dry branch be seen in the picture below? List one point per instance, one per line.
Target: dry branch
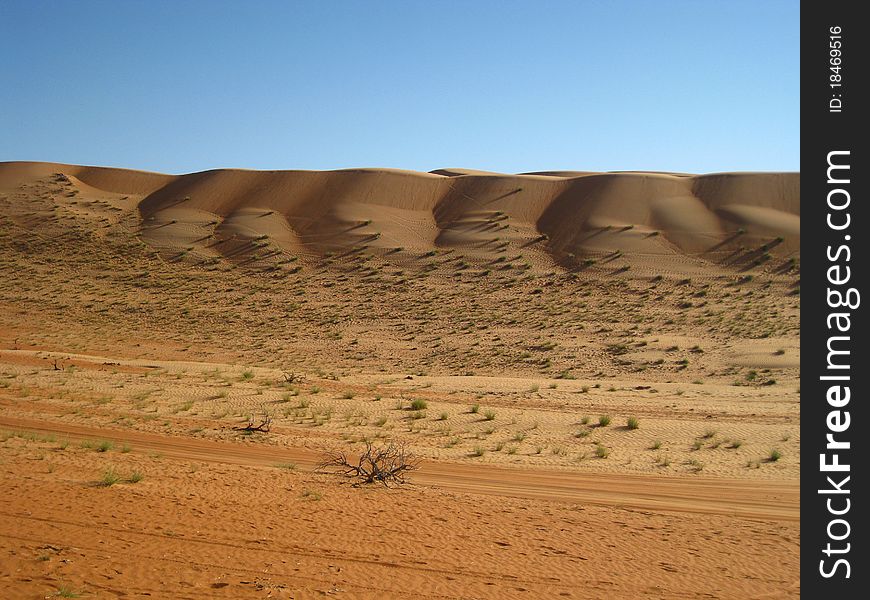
(264, 425)
(385, 464)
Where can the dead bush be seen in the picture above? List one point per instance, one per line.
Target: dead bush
(386, 464)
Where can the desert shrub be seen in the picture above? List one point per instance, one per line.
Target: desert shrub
(385, 464)
(263, 423)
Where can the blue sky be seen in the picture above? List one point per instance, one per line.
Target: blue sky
(179, 86)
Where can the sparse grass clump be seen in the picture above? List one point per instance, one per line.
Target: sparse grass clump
(602, 451)
(604, 420)
(774, 455)
(419, 404)
(475, 408)
(489, 415)
(135, 477)
(66, 592)
(104, 446)
(311, 495)
(110, 477)
(632, 423)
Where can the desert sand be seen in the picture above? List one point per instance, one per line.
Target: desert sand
(598, 371)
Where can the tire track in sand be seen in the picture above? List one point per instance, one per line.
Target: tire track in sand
(764, 500)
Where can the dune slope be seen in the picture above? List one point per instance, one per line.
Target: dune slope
(532, 221)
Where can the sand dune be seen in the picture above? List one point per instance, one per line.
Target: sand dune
(566, 218)
(122, 181)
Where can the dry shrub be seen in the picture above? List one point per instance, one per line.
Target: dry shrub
(386, 464)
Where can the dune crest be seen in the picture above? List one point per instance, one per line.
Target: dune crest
(573, 219)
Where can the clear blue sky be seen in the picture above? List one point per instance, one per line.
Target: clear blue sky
(179, 86)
